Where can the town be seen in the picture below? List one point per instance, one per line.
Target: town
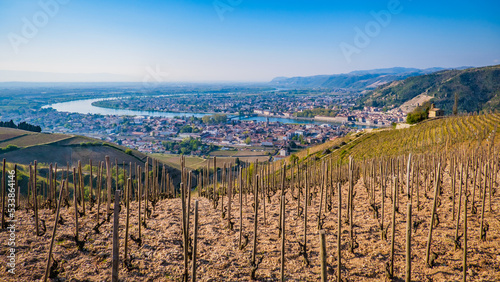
(334, 106)
(232, 122)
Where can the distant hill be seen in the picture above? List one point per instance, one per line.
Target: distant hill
(477, 88)
(23, 147)
(356, 80)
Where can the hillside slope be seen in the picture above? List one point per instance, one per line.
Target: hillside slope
(434, 135)
(23, 147)
(356, 80)
(478, 89)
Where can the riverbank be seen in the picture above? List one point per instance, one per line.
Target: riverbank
(86, 106)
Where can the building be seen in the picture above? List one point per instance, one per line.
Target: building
(284, 152)
(435, 112)
(267, 144)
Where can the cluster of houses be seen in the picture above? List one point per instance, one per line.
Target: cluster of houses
(369, 116)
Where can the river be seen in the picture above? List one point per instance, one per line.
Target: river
(86, 107)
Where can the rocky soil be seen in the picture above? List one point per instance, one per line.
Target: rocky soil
(160, 256)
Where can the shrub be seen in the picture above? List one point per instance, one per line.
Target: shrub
(9, 148)
(418, 115)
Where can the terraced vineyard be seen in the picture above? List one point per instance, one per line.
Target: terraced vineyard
(429, 136)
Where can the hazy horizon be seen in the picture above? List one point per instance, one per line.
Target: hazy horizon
(238, 41)
(7, 76)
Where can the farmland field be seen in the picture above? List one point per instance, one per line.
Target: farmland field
(34, 139)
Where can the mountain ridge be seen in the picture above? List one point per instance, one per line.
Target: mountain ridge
(477, 89)
(355, 80)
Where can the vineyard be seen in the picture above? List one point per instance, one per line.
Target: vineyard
(418, 204)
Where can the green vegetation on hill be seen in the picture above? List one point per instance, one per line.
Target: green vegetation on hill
(214, 119)
(433, 135)
(9, 148)
(421, 113)
(428, 136)
(22, 125)
(188, 145)
(478, 90)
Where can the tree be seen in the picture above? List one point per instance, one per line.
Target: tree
(248, 140)
(9, 148)
(419, 114)
(23, 126)
(455, 105)
(186, 129)
(214, 119)
(302, 140)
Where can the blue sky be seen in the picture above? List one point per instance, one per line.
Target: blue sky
(243, 40)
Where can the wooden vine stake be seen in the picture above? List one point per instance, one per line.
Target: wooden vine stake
(322, 251)
(254, 251)
(188, 203)
(184, 232)
(352, 243)
(82, 187)
(464, 267)
(99, 189)
(230, 198)
(108, 184)
(282, 238)
(240, 188)
(393, 228)
(339, 252)
(147, 185)
(408, 244)
(139, 197)
(91, 186)
(383, 235)
(320, 225)
(49, 194)
(195, 241)
(49, 257)
(304, 250)
(433, 213)
(283, 179)
(127, 199)
(75, 202)
(35, 199)
(408, 224)
(482, 233)
(116, 243)
(457, 244)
